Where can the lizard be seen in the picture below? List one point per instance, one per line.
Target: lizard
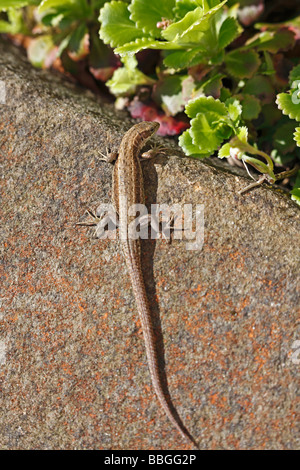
(127, 190)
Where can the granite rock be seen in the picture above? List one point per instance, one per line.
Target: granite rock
(73, 370)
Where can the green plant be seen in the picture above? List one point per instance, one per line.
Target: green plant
(194, 34)
(199, 66)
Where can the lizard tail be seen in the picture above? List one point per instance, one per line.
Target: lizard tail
(150, 343)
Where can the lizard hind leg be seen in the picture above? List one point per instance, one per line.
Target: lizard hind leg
(105, 220)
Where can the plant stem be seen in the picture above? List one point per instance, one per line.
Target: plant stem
(287, 174)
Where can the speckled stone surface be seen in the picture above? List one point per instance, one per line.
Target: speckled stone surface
(72, 361)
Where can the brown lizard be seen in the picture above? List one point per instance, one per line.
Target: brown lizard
(128, 189)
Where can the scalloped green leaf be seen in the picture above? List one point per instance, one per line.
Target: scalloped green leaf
(242, 64)
(117, 28)
(177, 29)
(273, 41)
(147, 14)
(261, 87)
(251, 106)
(224, 129)
(229, 31)
(242, 134)
(205, 135)
(180, 59)
(289, 104)
(189, 30)
(234, 109)
(297, 136)
(186, 143)
(206, 104)
(139, 44)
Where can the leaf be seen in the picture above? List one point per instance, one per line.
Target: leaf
(242, 64)
(208, 4)
(297, 136)
(224, 151)
(49, 4)
(38, 50)
(289, 105)
(210, 124)
(183, 7)
(242, 134)
(102, 61)
(270, 115)
(267, 67)
(190, 29)
(180, 59)
(97, 4)
(175, 30)
(63, 45)
(147, 14)
(140, 44)
(234, 109)
(229, 31)
(116, 27)
(251, 106)
(295, 195)
(77, 37)
(204, 134)
(260, 87)
(4, 4)
(205, 104)
(5, 27)
(273, 41)
(186, 143)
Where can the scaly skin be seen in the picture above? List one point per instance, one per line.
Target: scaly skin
(128, 189)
